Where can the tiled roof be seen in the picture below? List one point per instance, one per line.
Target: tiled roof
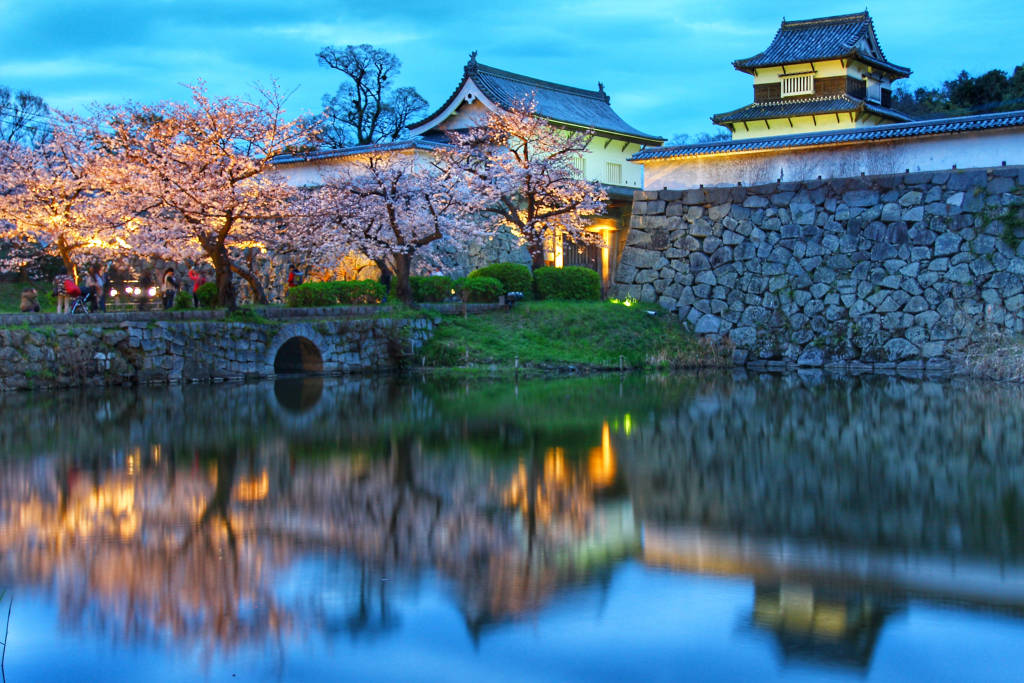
(396, 146)
(889, 131)
(589, 109)
(814, 40)
(805, 106)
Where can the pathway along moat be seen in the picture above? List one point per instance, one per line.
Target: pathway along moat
(735, 527)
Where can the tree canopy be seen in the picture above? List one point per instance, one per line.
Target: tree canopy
(367, 107)
(992, 91)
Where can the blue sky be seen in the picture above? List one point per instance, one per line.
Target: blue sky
(666, 65)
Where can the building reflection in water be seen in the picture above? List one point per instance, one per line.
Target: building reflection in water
(821, 624)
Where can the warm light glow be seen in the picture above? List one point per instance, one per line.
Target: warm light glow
(627, 424)
(601, 463)
(252, 489)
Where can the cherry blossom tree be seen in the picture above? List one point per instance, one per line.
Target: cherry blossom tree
(522, 173)
(201, 171)
(389, 206)
(53, 198)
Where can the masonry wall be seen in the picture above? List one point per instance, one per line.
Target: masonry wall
(140, 351)
(908, 268)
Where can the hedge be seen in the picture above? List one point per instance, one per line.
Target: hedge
(514, 277)
(433, 288)
(330, 293)
(480, 289)
(574, 283)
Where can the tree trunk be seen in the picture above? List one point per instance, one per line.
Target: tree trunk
(65, 256)
(536, 249)
(246, 274)
(403, 290)
(225, 286)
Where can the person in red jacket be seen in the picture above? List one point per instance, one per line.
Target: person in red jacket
(197, 281)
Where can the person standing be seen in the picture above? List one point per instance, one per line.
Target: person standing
(60, 292)
(197, 281)
(100, 282)
(170, 288)
(88, 286)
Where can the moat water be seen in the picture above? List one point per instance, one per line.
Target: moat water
(713, 527)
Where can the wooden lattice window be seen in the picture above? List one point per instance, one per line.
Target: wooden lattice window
(802, 84)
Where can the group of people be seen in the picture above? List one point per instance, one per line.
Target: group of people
(94, 288)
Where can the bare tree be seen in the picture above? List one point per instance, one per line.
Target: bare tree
(367, 108)
(24, 118)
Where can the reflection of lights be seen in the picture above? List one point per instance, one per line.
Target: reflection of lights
(251, 489)
(627, 424)
(131, 462)
(601, 463)
(154, 453)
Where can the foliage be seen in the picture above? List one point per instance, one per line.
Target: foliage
(990, 92)
(388, 207)
(207, 294)
(55, 197)
(572, 283)
(431, 288)
(514, 277)
(587, 334)
(480, 289)
(183, 301)
(245, 314)
(367, 108)
(521, 173)
(310, 294)
(314, 294)
(199, 177)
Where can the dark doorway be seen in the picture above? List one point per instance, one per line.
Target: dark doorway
(296, 355)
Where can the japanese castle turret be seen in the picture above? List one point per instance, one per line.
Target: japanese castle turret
(817, 75)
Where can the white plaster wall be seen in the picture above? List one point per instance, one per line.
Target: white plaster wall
(981, 149)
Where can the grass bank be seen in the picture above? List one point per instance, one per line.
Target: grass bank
(10, 296)
(553, 335)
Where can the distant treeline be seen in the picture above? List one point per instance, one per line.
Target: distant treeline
(992, 91)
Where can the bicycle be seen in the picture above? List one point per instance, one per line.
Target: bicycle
(83, 303)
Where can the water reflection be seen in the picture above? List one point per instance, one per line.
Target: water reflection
(219, 518)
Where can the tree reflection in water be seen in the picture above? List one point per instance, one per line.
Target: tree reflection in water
(175, 540)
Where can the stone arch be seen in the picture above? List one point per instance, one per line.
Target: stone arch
(298, 348)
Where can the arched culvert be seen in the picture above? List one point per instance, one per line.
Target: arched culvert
(296, 355)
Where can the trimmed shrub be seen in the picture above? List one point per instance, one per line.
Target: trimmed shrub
(361, 292)
(331, 293)
(207, 294)
(480, 290)
(311, 294)
(182, 301)
(514, 277)
(574, 283)
(432, 288)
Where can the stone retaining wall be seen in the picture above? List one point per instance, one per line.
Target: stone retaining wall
(108, 350)
(909, 269)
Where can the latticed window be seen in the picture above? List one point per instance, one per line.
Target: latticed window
(580, 164)
(614, 174)
(802, 84)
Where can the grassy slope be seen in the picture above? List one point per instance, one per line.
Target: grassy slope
(557, 332)
(10, 296)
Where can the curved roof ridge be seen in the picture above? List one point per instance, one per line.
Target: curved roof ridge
(834, 19)
(549, 85)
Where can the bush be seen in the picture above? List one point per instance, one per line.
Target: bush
(182, 301)
(207, 294)
(360, 292)
(514, 277)
(480, 289)
(432, 288)
(573, 283)
(330, 293)
(311, 294)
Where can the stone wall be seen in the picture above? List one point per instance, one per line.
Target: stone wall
(909, 268)
(47, 352)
